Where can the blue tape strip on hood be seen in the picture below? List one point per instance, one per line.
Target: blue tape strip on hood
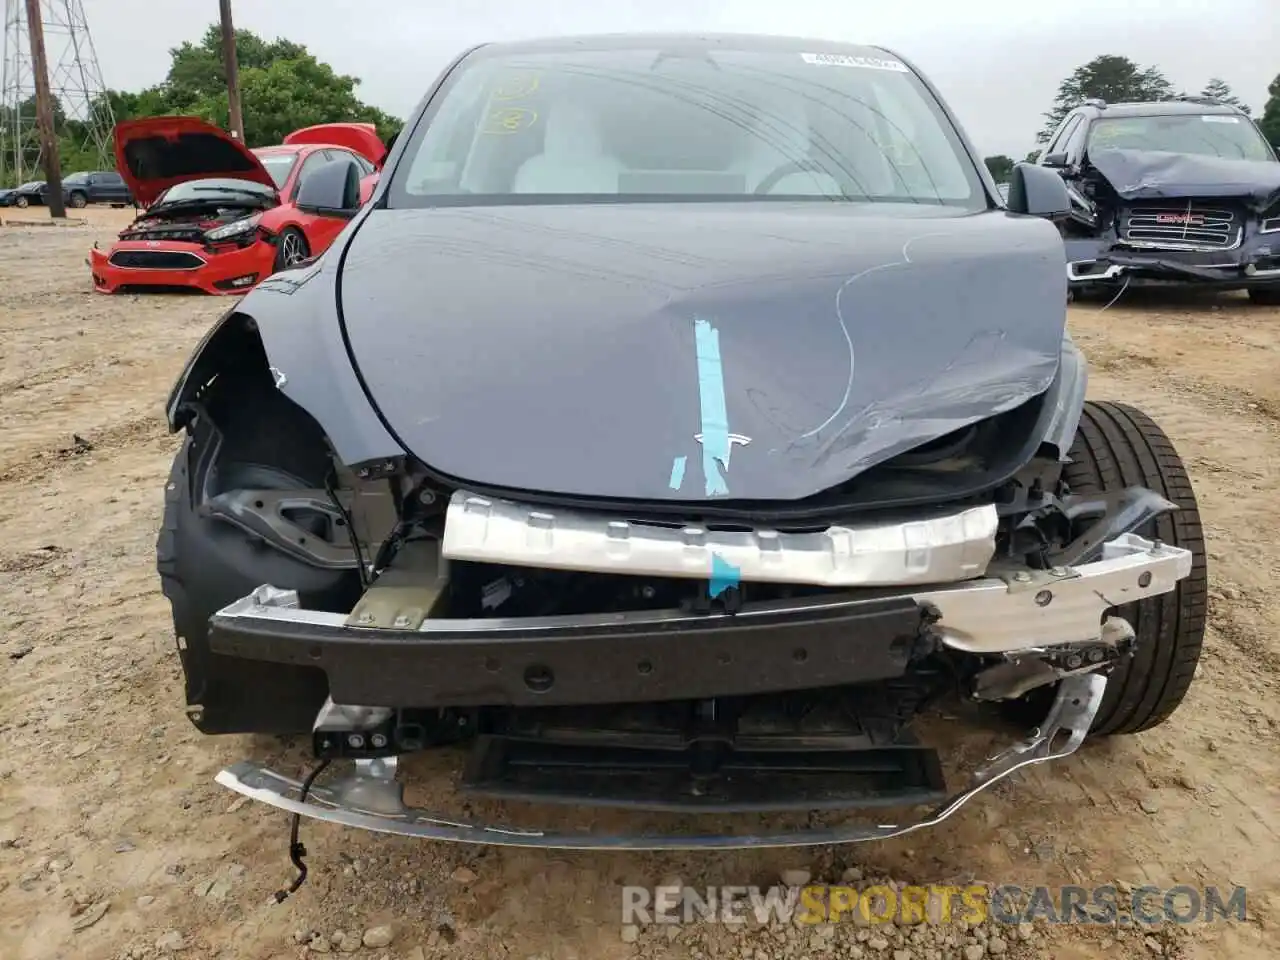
(677, 473)
(715, 415)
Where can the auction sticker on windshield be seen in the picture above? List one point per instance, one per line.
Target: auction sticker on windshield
(1211, 118)
(843, 60)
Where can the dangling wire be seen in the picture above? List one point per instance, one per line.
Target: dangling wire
(361, 570)
(297, 851)
(1118, 295)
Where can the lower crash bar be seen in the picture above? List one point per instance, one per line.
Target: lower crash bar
(372, 799)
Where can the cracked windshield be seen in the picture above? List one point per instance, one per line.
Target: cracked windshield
(687, 123)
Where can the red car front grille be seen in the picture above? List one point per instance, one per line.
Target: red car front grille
(155, 260)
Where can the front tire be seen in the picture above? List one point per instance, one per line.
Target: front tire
(205, 564)
(1265, 296)
(79, 200)
(291, 248)
(20, 202)
(1118, 446)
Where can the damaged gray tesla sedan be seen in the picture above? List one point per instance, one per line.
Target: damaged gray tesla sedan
(681, 418)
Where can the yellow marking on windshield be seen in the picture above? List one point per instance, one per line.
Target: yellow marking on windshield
(516, 87)
(506, 120)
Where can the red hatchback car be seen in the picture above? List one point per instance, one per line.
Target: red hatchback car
(219, 216)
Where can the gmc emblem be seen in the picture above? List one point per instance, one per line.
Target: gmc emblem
(1186, 219)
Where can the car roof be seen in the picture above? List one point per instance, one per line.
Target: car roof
(284, 149)
(762, 43)
(1162, 108)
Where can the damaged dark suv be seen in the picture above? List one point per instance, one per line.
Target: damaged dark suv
(1182, 192)
(680, 420)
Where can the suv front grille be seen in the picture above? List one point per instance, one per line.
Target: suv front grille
(1184, 227)
(155, 260)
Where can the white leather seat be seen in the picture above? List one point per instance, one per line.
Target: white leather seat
(573, 158)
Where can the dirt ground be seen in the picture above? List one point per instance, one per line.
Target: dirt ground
(116, 843)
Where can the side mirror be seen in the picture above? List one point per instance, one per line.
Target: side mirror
(1038, 191)
(1054, 160)
(331, 190)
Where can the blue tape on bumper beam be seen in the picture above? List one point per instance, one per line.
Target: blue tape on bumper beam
(723, 575)
(715, 415)
(677, 473)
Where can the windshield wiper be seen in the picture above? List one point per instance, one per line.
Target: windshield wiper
(236, 190)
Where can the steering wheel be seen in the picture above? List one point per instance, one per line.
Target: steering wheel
(785, 170)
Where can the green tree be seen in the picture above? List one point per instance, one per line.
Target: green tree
(1270, 121)
(1001, 167)
(1217, 89)
(196, 72)
(282, 87)
(1031, 157)
(1107, 77)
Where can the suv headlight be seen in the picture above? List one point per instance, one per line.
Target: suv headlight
(234, 229)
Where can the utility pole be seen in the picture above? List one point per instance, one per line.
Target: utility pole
(232, 70)
(44, 113)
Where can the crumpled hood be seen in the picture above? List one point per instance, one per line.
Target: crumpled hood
(1156, 174)
(764, 351)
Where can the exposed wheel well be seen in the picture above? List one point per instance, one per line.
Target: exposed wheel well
(232, 360)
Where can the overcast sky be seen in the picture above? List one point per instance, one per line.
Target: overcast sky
(998, 62)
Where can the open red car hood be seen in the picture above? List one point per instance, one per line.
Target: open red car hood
(155, 153)
(361, 137)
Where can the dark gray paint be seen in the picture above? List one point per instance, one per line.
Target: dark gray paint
(1155, 174)
(1067, 395)
(294, 313)
(581, 373)
(551, 348)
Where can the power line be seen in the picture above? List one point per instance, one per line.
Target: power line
(77, 92)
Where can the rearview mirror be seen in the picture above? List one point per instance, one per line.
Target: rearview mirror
(331, 190)
(1038, 191)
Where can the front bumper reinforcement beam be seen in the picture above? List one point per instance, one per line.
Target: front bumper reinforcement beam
(373, 800)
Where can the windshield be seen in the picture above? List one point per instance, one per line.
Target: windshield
(690, 123)
(218, 191)
(76, 178)
(278, 165)
(1208, 134)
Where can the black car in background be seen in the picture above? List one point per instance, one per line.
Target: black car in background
(1185, 191)
(99, 186)
(23, 195)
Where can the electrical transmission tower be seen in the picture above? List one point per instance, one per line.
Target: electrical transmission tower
(82, 110)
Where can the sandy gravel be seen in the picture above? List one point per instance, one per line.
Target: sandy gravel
(115, 842)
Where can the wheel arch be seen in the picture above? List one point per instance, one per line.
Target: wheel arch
(1067, 398)
(285, 333)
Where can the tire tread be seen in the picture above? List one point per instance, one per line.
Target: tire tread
(1118, 446)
